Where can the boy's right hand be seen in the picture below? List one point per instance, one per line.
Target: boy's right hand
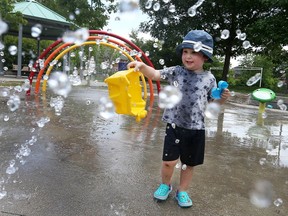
(136, 65)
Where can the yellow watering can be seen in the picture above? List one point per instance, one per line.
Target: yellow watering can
(125, 91)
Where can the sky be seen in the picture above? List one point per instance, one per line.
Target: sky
(123, 23)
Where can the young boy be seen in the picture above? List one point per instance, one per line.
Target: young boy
(185, 121)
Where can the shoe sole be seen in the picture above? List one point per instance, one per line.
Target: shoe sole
(182, 205)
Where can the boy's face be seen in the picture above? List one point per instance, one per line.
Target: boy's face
(193, 60)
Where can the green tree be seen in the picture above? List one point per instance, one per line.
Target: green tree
(263, 21)
(6, 14)
(92, 14)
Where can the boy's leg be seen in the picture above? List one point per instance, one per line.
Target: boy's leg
(185, 178)
(165, 187)
(167, 171)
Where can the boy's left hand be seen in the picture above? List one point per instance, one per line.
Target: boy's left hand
(225, 94)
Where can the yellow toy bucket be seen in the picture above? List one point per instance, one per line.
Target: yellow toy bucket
(125, 91)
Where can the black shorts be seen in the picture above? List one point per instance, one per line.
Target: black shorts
(187, 144)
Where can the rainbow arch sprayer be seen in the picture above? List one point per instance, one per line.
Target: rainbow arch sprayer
(125, 91)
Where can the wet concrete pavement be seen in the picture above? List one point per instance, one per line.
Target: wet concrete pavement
(84, 165)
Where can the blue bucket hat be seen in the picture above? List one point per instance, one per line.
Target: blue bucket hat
(194, 37)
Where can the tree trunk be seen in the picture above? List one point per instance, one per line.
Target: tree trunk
(226, 63)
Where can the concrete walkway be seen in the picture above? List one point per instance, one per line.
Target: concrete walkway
(83, 165)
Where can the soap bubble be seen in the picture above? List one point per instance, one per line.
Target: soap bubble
(169, 97)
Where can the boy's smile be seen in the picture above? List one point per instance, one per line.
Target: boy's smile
(193, 60)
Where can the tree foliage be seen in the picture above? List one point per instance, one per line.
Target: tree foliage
(6, 14)
(92, 14)
(264, 22)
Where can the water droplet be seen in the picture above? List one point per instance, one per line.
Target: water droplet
(161, 61)
(156, 6)
(278, 202)
(4, 92)
(172, 8)
(14, 102)
(88, 102)
(177, 141)
(246, 44)
(12, 50)
(148, 4)
(212, 110)
(77, 11)
(197, 46)
(106, 108)
(225, 34)
(232, 93)
(3, 27)
(165, 20)
(242, 36)
(184, 167)
(262, 161)
(6, 118)
(280, 84)
(254, 79)
(192, 11)
(261, 195)
(169, 97)
(78, 37)
(36, 30)
(59, 83)
(178, 165)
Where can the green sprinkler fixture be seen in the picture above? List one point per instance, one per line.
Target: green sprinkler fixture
(263, 95)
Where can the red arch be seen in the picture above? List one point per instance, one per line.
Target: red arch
(56, 43)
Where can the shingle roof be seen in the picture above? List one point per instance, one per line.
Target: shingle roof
(34, 9)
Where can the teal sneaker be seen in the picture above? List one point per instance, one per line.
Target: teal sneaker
(163, 192)
(183, 199)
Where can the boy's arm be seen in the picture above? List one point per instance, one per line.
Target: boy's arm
(147, 71)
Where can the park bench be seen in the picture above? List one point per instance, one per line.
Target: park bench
(25, 71)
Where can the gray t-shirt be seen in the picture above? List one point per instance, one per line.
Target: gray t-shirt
(196, 92)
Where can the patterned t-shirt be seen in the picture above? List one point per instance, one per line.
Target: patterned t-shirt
(196, 92)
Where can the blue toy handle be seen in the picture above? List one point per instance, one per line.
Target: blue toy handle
(216, 92)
